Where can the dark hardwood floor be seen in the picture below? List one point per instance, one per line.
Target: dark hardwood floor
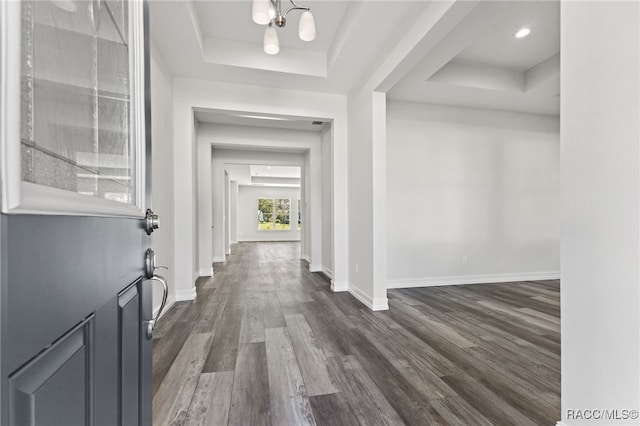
(268, 343)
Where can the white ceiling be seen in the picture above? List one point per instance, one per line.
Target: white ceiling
(497, 46)
(477, 64)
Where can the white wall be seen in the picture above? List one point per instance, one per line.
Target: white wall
(227, 213)
(233, 215)
(162, 195)
(190, 94)
(327, 205)
(204, 202)
(247, 213)
(600, 163)
(476, 184)
(305, 216)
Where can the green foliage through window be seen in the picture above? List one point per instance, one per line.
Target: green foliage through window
(274, 214)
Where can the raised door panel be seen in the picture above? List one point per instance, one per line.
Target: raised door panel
(55, 388)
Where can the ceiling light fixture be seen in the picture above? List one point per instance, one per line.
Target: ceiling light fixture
(269, 12)
(523, 32)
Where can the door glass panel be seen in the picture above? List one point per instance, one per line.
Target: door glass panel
(75, 101)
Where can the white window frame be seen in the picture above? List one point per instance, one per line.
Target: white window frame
(20, 197)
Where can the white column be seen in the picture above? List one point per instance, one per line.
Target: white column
(600, 180)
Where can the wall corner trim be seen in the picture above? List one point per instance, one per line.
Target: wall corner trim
(183, 295)
(205, 272)
(328, 272)
(379, 304)
(315, 268)
(337, 286)
(471, 279)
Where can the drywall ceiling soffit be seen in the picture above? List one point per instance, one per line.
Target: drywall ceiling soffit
(288, 172)
(240, 173)
(272, 121)
(217, 40)
(481, 64)
(251, 174)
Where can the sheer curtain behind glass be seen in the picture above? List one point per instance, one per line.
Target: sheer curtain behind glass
(75, 131)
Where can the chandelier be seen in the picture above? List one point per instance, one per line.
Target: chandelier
(269, 12)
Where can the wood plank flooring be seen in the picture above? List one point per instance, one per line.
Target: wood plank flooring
(268, 343)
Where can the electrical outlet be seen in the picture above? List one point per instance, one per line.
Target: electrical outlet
(464, 260)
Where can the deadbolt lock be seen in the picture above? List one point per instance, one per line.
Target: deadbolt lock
(151, 221)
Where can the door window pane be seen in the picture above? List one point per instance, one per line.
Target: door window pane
(282, 214)
(265, 213)
(75, 101)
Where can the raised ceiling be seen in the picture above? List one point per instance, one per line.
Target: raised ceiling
(217, 40)
(231, 20)
(482, 64)
(479, 63)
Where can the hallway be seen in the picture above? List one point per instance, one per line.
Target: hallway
(267, 342)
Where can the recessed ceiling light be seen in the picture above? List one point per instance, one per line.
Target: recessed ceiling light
(268, 167)
(523, 32)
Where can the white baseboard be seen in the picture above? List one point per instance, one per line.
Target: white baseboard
(205, 272)
(471, 279)
(228, 252)
(218, 259)
(305, 257)
(315, 268)
(337, 286)
(170, 303)
(233, 242)
(328, 272)
(182, 295)
(559, 423)
(380, 304)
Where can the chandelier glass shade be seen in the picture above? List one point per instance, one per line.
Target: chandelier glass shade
(270, 13)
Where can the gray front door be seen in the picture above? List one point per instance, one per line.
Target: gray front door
(74, 299)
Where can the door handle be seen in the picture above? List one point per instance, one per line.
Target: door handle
(165, 291)
(150, 273)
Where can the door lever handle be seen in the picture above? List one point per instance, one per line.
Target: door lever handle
(165, 291)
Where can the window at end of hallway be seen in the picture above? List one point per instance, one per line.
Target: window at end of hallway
(274, 214)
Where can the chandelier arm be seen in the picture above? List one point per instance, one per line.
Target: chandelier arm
(295, 8)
